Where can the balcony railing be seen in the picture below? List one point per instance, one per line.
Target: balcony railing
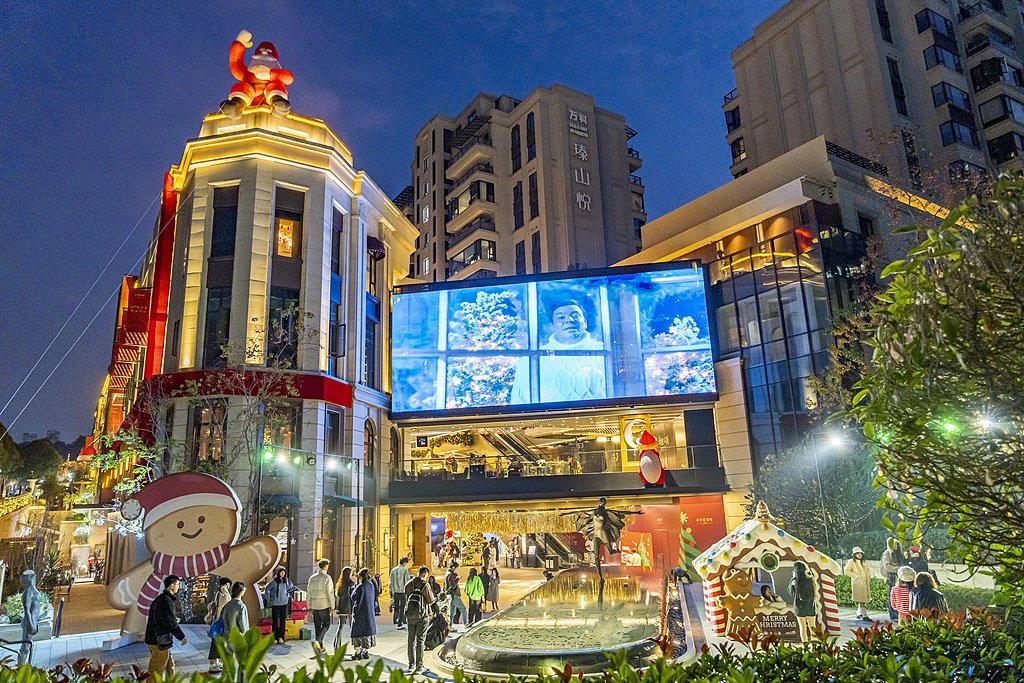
(846, 155)
(483, 168)
(730, 96)
(993, 8)
(633, 153)
(470, 144)
(983, 41)
(636, 180)
(482, 223)
(460, 466)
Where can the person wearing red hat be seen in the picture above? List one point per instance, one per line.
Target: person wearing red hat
(190, 523)
(263, 81)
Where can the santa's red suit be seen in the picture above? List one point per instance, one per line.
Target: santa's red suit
(263, 81)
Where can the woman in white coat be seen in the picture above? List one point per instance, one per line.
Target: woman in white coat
(860, 582)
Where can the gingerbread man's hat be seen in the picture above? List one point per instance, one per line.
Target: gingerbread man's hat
(178, 491)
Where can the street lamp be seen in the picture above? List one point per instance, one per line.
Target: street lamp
(836, 440)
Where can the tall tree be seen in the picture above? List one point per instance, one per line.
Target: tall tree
(40, 458)
(10, 458)
(943, 396)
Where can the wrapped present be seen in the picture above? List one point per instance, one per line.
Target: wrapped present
(306, 633)
(292, 628)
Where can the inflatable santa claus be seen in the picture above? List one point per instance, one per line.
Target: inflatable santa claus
(652, 473)
(263, 81)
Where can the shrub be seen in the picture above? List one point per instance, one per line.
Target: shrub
(960, 598)
(879, 593)
(15, 610)
(871, 542)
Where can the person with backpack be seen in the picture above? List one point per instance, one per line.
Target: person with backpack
(220, 599)
(161, 625)
(892, 560)
(419, 608)
(475, 592)
(456, 607)
(801, 589)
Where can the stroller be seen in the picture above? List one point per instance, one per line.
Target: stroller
(437, 631)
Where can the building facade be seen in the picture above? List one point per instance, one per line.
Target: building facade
(252, 344)
(508, 186)
(934, 89)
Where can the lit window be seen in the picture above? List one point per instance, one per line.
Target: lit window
(426, 214)
(285, 237)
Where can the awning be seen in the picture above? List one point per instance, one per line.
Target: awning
(375, 248)
(332, 501)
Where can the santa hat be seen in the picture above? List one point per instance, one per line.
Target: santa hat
(178, 491)
(647, 441)
(267, 48)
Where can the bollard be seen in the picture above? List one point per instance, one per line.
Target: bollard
(57, 617)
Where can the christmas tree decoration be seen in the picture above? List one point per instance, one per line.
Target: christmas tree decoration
(688, 550)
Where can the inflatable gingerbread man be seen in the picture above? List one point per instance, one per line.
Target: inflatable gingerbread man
(263, 81)
(191, 523)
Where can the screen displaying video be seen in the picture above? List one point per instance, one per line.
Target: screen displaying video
(601, 338)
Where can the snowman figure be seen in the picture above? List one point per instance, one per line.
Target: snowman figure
(652, 474)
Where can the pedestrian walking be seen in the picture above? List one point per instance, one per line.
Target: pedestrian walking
(434, 586)
(420, 607)
(456, 606)
(892, 560)
(161, 627)
(926, 598)
(485, 556)
(492, 587)
(485, 579)
(220, 599)
(378, 589)
(475, 593)
(899, 595)
(801, 589)
(364, 626)
(320, 599)
(235, 614)
(343, 591)
(860, 582)
(278, 596)
(397, 580)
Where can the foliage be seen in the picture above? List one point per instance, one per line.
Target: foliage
(125, 448)
(951, 649)
(15, 610)
(788, 483)
(935, 541)
(454, 439)
(942, 397)
(10, 456)
(39, 458)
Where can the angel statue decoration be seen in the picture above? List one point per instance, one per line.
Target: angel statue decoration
(601, 526)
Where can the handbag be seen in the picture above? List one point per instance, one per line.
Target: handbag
(216, 629)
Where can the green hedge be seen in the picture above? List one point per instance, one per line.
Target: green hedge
(958, 598)
(953, 649)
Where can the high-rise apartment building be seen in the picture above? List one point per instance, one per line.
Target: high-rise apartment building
(512, 186)
(934, 88)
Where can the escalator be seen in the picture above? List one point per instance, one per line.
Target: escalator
(557, 550)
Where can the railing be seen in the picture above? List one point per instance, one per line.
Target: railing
(633, 153)
(470, 144)
(983, 41)
(983, 7)
(846, 155)
(730, 96)
(464, 466)
(14, 503)
(484, 168)
(482, 223)
(636, 180)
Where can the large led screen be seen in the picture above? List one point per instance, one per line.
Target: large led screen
(608, 337)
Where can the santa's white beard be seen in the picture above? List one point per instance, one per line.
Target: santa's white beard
(264, 60)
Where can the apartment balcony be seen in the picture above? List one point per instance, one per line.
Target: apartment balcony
(481, 171)
(637, 182)
(1006, 150)
(477, 150)
(730, 96)
(984, 45)
(481, 228)
(984, 13)
(474, 268)
(481, 208)
(635, 162)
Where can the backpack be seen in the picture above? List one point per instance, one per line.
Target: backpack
(414, 607)
(451, 584)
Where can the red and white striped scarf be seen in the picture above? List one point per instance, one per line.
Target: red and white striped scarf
(180, 565)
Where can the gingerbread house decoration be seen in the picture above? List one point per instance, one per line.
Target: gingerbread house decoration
(759, 544)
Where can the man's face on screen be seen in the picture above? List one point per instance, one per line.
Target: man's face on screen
(570, 324)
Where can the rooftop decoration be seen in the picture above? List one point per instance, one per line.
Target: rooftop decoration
(263, 81)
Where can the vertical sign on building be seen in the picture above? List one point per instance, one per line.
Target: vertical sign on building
(580, 162)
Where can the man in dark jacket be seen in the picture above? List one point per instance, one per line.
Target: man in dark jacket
(419, 604)
(161, 625)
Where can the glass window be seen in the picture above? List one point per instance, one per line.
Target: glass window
(1006, 147)
(517, 204)
(481, 250)
(883, 21)
(520, 257)
(927, 19)
(426, 214)
(534, 199)
(336, 340)
(535, 251)
(944, 93)
(218, 321)
(732, 119)
(898, 94)
(935, 55)
(531, 137)
(225, 219)
(866, 225)
(370, 353)
(517, 151)
(739, 150)
(282, 327)
(999, 109)
(337, 225)
(288, 222)
(954, 131)
(208, 424)
(332, 432)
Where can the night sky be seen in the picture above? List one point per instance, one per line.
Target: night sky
(101, 97)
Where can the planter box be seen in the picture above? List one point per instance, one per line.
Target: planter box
(13, 631)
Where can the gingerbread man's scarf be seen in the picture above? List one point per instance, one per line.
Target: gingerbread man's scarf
(180, 565)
